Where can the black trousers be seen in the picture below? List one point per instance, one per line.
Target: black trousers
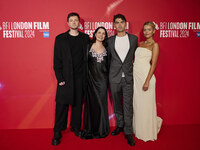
(61, 112)
(122, 95)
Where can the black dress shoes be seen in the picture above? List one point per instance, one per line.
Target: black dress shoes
(56, 138)
(117, 131)
(77, 132)
(130, 140)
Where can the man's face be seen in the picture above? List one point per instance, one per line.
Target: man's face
(73, 22)
(120, 25)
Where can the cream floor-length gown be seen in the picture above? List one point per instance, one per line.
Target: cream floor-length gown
(146, 124)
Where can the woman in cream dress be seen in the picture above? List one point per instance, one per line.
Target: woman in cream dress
(146, 124)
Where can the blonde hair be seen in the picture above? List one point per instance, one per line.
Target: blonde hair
(149, 23)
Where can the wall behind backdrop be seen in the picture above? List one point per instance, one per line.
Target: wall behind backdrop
(27, 33)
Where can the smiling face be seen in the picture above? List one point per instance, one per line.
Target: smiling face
(148, 31)
(120, 25)
(73, 22)
(100, 35)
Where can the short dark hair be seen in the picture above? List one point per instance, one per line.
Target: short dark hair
(73, 14)
(105, 44)
(119, 16)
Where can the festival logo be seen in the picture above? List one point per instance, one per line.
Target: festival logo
(178, 29)
(24, 29)
(198, 34)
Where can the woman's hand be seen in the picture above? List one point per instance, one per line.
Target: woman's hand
(145, 86)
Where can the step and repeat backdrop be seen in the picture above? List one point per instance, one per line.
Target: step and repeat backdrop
(27, 33)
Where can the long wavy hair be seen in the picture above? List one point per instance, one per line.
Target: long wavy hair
(104, 42)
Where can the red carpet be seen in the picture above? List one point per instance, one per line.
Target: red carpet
(179, 137)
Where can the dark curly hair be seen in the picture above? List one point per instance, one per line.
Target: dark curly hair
(119, 16)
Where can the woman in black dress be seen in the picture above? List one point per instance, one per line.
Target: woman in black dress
(96, 122)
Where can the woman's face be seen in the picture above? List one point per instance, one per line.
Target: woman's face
(148, 31)
(100, 35)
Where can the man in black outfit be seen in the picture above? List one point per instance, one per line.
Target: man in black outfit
(70, 64)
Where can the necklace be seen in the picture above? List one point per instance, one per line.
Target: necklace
(146, 42)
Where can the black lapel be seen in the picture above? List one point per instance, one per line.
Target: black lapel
(113, 47)
(131, 43)
(84, 45)
(67, 50)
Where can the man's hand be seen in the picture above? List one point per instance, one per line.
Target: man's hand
(61, 83)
